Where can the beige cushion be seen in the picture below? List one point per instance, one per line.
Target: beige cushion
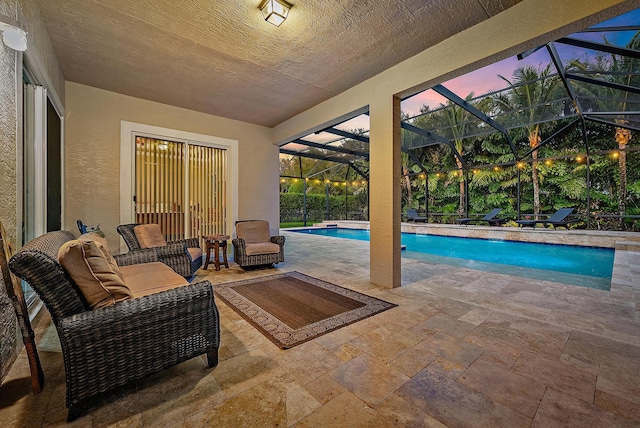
(262, 248)
(195, 252)
(149, 235)
(149, 278)
(92, 236)
(86, 263)
(253, 231)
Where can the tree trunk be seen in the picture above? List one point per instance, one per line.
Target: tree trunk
(534, 141)
(622, 137)
(462, 187)
(536, 185)
(407, 181)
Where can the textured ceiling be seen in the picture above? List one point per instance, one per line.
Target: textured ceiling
(220, 57)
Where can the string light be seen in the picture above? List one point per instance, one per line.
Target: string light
(615, 155)
(495, 168)
(548, 162)
(520, 165)
(579, 159)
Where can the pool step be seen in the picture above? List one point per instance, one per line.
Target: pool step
(628, 245)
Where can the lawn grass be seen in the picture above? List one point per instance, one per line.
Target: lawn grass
(298, 223)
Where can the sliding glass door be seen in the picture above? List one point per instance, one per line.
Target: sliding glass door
(180, 185)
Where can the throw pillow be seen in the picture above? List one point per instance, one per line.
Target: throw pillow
(87, 265)
(104, 247)
(149, 235)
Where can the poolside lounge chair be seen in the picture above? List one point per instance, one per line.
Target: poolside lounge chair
(489, 218)
(412, 215)
(559, 218)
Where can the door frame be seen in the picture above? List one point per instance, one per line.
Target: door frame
(128, 132)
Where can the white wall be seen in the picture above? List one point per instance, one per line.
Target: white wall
(92, 144)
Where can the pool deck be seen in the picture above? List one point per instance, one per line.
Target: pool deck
(626, 244)
(462, 348)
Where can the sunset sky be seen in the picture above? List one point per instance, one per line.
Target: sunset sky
(486, 79)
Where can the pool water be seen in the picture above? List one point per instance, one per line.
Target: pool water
(585, 266)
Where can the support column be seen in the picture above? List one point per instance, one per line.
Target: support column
(384, 213)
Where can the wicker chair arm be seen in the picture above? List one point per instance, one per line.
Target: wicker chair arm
(278, 240)
(171, 249)
(190, 242)
(110, 346)
(135, 257)
(147, 312)
(239, 244)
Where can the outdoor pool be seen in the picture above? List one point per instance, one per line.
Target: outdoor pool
(584, 266)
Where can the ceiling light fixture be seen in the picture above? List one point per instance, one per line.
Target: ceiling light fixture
(12, 35)
(275, 11)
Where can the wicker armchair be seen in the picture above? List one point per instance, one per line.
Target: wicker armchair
(175, 254)
(254, 247)
(108, 347)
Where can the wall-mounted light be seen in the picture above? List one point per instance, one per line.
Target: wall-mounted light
(275, 11)
(12, 35)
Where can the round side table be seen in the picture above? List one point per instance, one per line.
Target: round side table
(214, 242)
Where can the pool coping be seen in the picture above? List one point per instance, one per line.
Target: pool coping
(626, 244)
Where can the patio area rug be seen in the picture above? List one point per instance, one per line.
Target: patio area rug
(292, 308)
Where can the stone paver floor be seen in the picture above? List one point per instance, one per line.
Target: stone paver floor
(462, 348)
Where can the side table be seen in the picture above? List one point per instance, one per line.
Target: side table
(214, 242)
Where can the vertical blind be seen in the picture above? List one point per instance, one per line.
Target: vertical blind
(207, 190)
(180, 186)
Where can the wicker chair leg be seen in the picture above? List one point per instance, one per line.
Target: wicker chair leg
(212, 358)
(73, 414)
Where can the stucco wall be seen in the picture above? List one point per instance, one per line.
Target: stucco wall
(92, 155)
(8, 112)
(41, 55)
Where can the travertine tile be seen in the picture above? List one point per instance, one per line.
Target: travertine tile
(346, 410)
(518, 392)
(445, 324)
(520, 328)
(260, 406)
(368, 378)
(452, 348)
(308, 361)
(617, 405)
(413, 360)
(386, 342)
(336, 338)
(569, 379)
(174, 394)
(594, 349)
(562, 410)
(456, 405)
(446, 367)
(401, 413)
(244, 371)
(622, 383)
(324, 389)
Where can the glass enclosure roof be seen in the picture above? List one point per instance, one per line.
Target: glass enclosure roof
(592, 75)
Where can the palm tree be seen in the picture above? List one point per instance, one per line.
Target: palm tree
(459, 121)
(529, 100)
(617, 69)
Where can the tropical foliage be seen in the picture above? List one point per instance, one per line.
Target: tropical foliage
(548, 144)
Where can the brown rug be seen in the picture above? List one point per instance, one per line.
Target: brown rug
(292, 308)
